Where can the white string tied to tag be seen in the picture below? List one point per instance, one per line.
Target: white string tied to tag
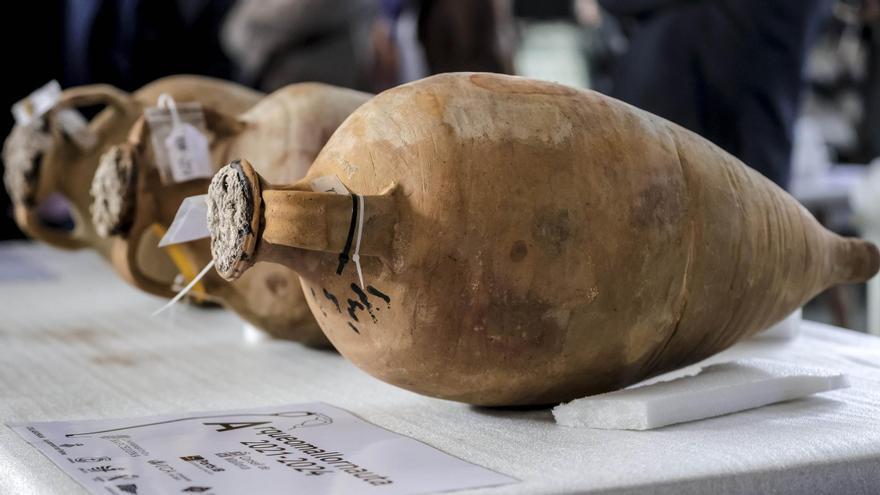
(186, 289)
(167, 101)
(356, 257)
(331, 183)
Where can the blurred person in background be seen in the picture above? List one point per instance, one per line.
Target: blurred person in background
(369, 45)
(416, 38)
(129, 43)
(842, 109)
(869, 130)
(277, 42)
(467, 35)
(729, 70)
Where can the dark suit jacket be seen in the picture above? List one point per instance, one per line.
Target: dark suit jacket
(730, 70)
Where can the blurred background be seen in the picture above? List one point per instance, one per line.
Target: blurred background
(791, 87)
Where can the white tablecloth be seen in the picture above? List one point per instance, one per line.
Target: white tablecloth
(80, 344)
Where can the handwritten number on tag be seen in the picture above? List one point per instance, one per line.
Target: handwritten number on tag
(188, 153)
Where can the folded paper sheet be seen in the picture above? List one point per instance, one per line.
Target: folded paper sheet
(190, 222)
(716, 390)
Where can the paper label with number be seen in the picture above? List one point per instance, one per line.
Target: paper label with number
(181, 148)
(188, 154)
(37, 103)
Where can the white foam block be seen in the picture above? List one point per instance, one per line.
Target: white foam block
(718, 389)
(786, 329)
(253, 335)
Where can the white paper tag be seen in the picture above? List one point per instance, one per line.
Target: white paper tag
(190, 222)
(329, 183)
(182, 151)
(31, 110)
(36, 104)
(301, 448)
(188, 153)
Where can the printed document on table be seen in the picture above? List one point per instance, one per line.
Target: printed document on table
(310, 448)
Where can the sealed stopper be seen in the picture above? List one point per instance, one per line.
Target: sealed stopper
(23, 153)
(233, 217)
(113, 191)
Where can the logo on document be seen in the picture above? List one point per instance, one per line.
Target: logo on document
(202, 463)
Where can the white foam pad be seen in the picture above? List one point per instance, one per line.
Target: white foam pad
(786, 329)
(718, 389)
(253, 335)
